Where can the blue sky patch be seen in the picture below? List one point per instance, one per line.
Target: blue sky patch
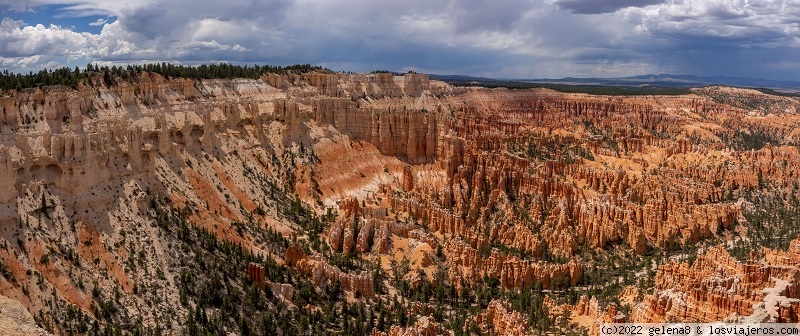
(61, 15)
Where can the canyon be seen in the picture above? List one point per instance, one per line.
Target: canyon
(392, 204)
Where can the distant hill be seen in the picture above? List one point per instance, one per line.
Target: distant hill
(661, 80)
(463, 79)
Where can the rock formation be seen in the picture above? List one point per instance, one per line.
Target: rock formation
(511, 271)
(15, 320)
(321, 272)
(383, 184)
(717, 287)
(498, 320)
(423, 327)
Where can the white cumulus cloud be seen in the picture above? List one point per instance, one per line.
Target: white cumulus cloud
(99, 22)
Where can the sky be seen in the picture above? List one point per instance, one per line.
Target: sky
(500, 38)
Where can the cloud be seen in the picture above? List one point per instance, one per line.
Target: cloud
(25, 47)
(19, 62)
(519, 38)
(99, 22)
(601, 7)
(480, 15)
(741, 23)
(15, 5)
(209, 46)
(20, 41)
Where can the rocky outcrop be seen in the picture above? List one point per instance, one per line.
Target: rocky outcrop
(256, 273)
(586, 313)
(718, 287)
(286, 291)
(367, 229)
(425, 326)
(497, 320)
(715, 287)
(321, 272)
(409, 133)
(15, 320)
(376, 85)
(293, 255)
(512, 272)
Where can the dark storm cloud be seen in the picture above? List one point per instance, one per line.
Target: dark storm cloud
(150, 22)
(600, 7)
(487, 15)
(168, 18)
(739, 62)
